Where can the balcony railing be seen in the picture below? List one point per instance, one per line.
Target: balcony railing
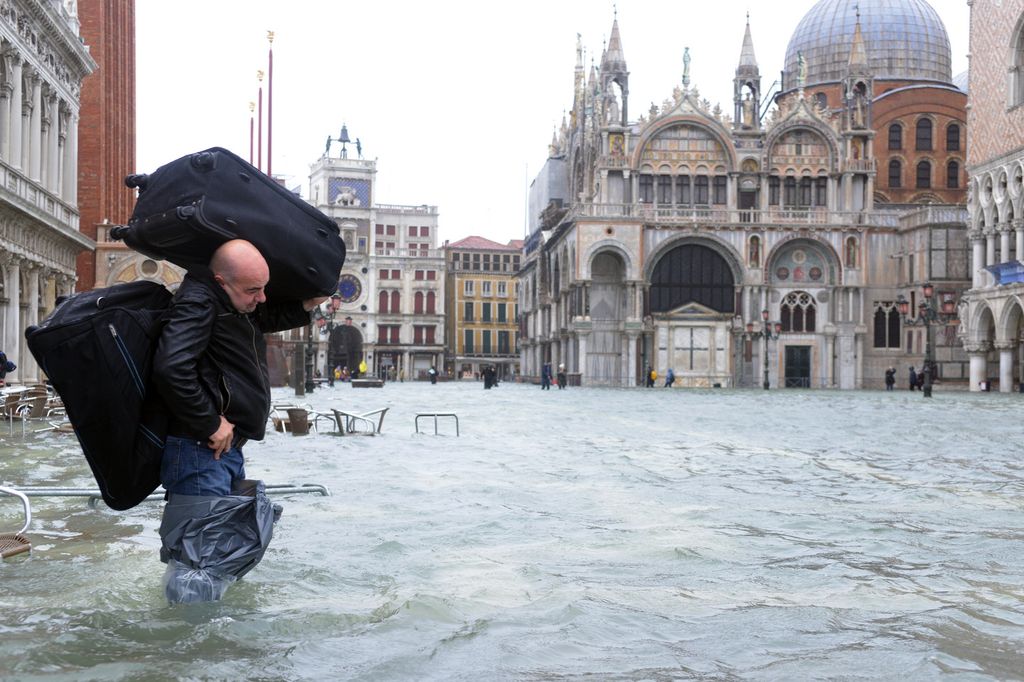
(703, 215)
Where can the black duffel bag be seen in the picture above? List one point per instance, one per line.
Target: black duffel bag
(189, 207)
(97, 350)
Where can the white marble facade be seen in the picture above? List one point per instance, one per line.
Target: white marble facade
(42, 64)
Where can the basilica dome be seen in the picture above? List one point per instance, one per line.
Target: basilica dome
(904, 39)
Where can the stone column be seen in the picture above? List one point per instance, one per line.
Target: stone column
(978, 354)
(6, 88)
(12, 330)
(990, 254)
(1018, 230)
(1006, 349)
(583, 356)
(830, 365)
(53, 145)
(977, 259)
(30, 370)
(1004, 243)
(629, 376)
(35, 145)
(71, 162)
(17, 101)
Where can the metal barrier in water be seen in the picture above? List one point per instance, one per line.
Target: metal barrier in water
(95, 497)
(435, 415)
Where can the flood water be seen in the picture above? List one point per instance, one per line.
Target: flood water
(577, 534)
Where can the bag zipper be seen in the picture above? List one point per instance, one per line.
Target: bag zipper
(129, 363)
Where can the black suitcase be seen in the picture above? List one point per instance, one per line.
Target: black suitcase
(189, 207)
(97, 350)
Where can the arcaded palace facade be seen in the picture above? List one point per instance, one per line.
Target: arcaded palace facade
(43, 61)
(779, 233)
(993, 322)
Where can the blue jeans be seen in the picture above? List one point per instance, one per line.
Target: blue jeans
(188, 468)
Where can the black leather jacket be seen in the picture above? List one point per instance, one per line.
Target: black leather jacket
(212, 360)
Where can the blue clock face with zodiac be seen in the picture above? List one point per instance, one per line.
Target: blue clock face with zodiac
(349, 287)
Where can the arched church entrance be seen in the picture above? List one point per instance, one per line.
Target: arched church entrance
(605, 357)
(693, 300)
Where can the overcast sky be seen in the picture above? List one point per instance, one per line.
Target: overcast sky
(456, 101)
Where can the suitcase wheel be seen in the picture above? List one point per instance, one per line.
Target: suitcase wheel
(204, 161)
(137, 180)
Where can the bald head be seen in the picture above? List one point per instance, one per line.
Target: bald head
(240, 268)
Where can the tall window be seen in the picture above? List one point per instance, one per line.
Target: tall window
(467, 287)
(773, 191)
(851, 252)
(486, 316)
(683, 190)
(396, 306)
(953, 175)
(647, 189)
(502, 315)
(821, 192)
(924, 175)
(798, 312)
(790, 193)
(887, 326)
(664, 189)
(467, 311)
(467, 341)
(417, 305)
(700, 190)
(805, 192)
(895, 136)
(721, 191)
(953, 137)
(431, 303)
(382, 302)
(923, 138)
(503, 347)
(486, 341)
(895, 174)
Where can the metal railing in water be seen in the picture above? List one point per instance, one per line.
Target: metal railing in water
(95, 497)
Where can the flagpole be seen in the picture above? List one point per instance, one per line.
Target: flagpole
(270, 98)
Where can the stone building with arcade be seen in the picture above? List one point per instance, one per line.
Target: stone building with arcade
(43, 62)
(770, 241)
(993, 308)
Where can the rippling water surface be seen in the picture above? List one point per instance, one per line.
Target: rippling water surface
(578, 534)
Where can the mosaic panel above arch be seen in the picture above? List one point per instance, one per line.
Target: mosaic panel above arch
(800, 264)
(800, 148)
(684, 144)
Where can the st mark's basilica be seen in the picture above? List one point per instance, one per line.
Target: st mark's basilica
(779, 234)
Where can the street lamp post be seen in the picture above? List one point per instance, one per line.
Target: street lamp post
(927, 314)
(764, 333)
(323, 320)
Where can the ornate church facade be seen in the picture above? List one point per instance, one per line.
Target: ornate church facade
(745, 249)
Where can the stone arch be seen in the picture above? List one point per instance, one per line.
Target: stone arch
(779, 251)
(345, 347)
(982, 326)
(725, 250)
(1008, 325)
(716, 132)
(603, 245)
(815, 127)
(691, 272)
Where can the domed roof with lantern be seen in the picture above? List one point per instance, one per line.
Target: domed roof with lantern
(905, 40)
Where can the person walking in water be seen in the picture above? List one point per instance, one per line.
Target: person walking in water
(890, 378)
(913, 379)
(562, 377)
(545, 377)
(670, 378)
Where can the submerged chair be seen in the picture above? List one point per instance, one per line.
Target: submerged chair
(367, 423)
(12, 544)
